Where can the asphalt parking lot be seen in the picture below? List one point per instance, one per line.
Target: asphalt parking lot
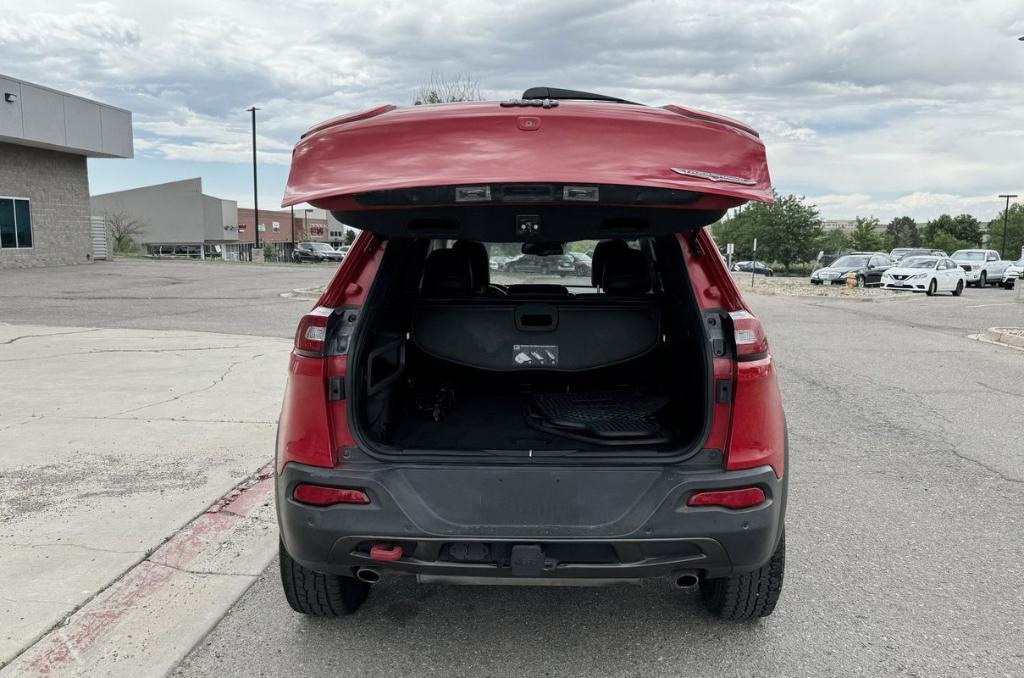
(203, 296)
(904, 527)
(904, 523)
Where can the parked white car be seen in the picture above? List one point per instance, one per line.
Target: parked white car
(983, 267)
(1013, 273)
(926, 274)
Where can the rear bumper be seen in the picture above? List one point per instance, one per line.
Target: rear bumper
(621, 523)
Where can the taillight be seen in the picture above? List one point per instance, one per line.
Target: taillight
(312, 332)
(321, 495)
(751, 341)
(730, 499)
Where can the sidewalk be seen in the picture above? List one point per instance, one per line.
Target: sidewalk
(111, 441)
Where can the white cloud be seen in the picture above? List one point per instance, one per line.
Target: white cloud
(857, 102)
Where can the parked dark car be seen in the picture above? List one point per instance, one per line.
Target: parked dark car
(556, 264)
(437, 427)
(315, 252)
(758, 267)
(865, 267)
(583, 263)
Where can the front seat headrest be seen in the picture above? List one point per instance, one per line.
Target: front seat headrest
(476, 254)
(447, 273)
(626, 273)
(601, 253)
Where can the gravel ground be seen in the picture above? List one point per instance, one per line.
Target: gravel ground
(802, 287)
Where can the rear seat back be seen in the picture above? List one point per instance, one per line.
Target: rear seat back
(543, 330)
(604, 250)
(446, 274)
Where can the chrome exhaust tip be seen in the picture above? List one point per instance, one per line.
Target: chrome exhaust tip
(686, 580)
(368, 575)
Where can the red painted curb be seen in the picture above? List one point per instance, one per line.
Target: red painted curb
(85, 628)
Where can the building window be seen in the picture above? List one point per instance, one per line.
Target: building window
(15, 223)
(276, 225)
(261, 228)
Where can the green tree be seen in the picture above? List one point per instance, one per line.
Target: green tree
(350, 236)
(740, 229)
(947, 243)
(949, 234)
(1014, 232)
(866, 236)
(968, 229)
(787, 231)
(834, 241)
(903, 232)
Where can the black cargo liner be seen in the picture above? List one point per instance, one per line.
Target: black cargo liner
(492, 421)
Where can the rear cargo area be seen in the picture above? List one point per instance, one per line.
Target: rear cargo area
(449, 362)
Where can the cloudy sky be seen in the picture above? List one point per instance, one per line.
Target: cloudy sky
(880, 108)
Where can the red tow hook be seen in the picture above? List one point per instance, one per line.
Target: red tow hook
(385, 552)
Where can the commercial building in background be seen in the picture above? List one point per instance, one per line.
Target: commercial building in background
(175, 219)
(45, 138)
(277, 226)
(839, 224)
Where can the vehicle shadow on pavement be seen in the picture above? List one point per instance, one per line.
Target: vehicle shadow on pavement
(410, 629)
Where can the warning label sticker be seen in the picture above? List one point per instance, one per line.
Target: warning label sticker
(535, 355)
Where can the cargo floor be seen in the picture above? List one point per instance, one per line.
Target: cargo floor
(482, 422)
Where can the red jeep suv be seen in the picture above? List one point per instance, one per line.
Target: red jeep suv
(460, 424)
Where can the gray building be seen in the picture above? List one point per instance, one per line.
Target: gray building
(45, 138)
(176, 219)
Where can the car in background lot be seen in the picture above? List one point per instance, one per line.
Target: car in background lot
(901, 253)
(498, 261)
(582, 262)
(1013, 273)
(758, 267)
(315, 252)
(555, 264)
(983, 267)
(866, 268)
(434, 428)
(926, 274)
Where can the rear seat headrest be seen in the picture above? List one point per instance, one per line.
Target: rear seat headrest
(447, 273)
(476, 254)
(626, 273)
(601, 253)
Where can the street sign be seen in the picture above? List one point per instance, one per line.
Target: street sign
(730, 248)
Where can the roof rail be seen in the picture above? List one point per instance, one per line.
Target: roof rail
(558, 93)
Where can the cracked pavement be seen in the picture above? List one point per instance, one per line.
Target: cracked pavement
(111, 440)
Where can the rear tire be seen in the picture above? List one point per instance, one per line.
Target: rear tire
(983, 280)
(750, 595)
(318, 594)
(861, 282)
(959, 288)
(932, 287)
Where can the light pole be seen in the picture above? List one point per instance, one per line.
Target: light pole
(1006, 216)
(305, 223)
(255, 188)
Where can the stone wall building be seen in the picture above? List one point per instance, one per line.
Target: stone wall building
(45, 138)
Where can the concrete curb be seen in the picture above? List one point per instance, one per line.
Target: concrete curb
(303, 293)
(1004, 335)
(150, 618)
